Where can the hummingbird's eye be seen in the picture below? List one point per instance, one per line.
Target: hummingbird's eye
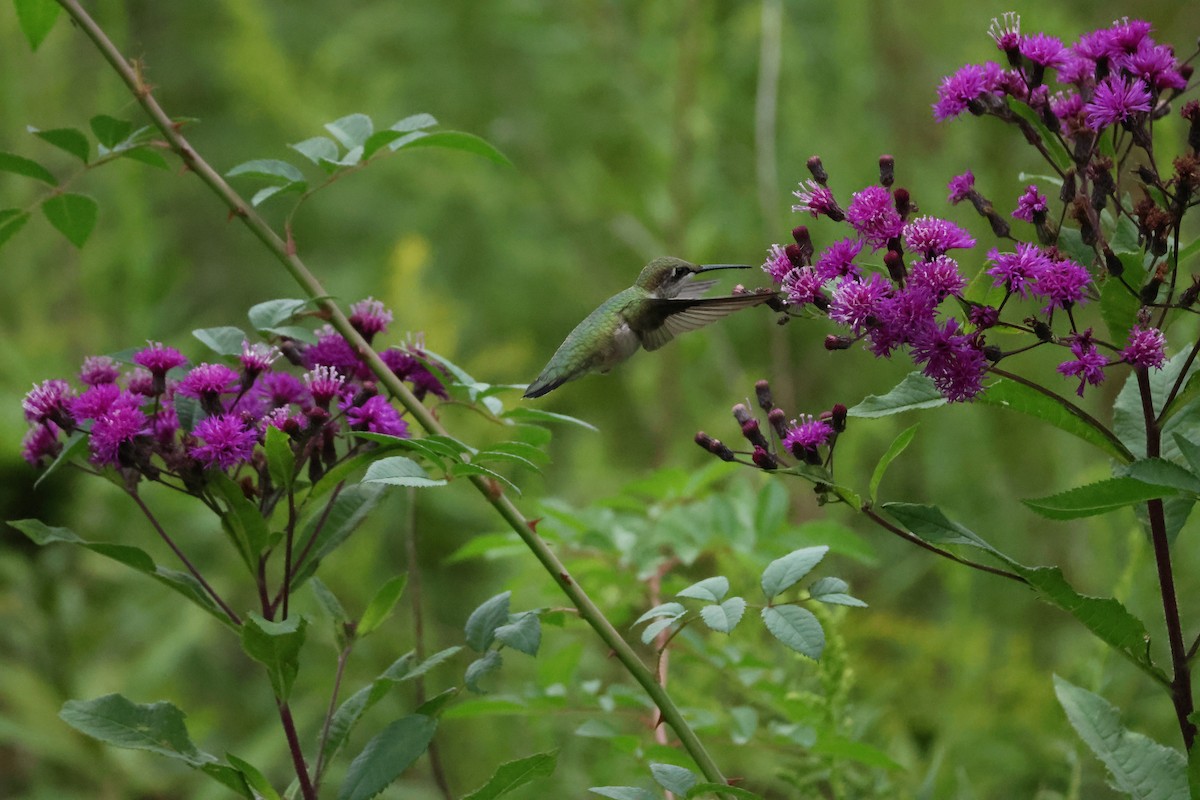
(679, 272)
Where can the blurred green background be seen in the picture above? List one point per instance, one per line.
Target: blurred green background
(632, 128)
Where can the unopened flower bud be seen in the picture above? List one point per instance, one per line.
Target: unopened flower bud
(804, 242)
(753, 434)
(894, 261)
(764, 460)
(714, 446)
(992, 353)
(833, 342)
(837, 417)
(1112, 263)
(742, 414)
(1041, 330)
(1191, 112)
(887, 171)
(778, 420)
(904, 204)
(1149, 292)
(796, 255)
(817, 170)
(762, 392)
(1188, 298)
(983, 317)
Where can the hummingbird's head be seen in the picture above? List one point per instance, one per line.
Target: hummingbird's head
(666, 276)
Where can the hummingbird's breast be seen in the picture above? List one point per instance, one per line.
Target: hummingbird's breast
(623, 344)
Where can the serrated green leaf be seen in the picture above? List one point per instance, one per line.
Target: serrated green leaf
(110, 131)
(522, 633)
(710, 589)
(672, 610)
(1119, 308)
(1140, 767)
(914, 392)
(1182, 417)
(1098, 498)
(652, 630)
(266, 193)
(673, 778)
(317, 149)
(332, 529)
(399, 471)
(1160, 472)
(386, 756)
(281, 461)
(73, 215)
(1189, 450)
(37, 18)
(514, 774)
(834, 591)
(268, 169)
(533, 416)
(481, 625)
(895, 449)
(351, 130)
(382, 604)
(783, 573)
(481, 668)
(455, 140)
(465, 469)
(71, 140)
(241, 519)
(156, 727)
(273, 313)
(275, 645)
(225, 340)
(11, 222)
(328, 601)
(724, 618)
(797, 628)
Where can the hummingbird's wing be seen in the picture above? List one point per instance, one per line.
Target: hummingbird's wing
(672, 317)
(694, 289)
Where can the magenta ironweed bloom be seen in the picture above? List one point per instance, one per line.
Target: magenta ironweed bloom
(207, 381)
(95, 402)
(370, 317)
(1147, 347)
(1155, 64)
(1030, 204)
(48, 401)
(837, 260)
(120, 425)
(777, 264)
(257, 358)
(159, 359)
(969, 84)
(1116, 99)
(802, 286)
(324, 384)
(953, 360)
(331, 350)
(961, 187)
(1044, 50)
(99, 369)
(940, 276)
(378, 416)
(818, 200)
(1127, 35)
(854, 302)
(807, 433)
(40, 442)
(1006, 31)
(140, 381)
(227, 441)
(932, 237)
(1062, 283)
(873, 215)
(901, 319)
(1017, 271)
(1088, 364)
(408, 367)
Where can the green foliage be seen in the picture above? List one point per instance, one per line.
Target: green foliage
(386, 756)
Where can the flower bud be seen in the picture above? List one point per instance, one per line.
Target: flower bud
(887, 171)
(762, 392)
(714, 446)
(1112, 263)
(817, 170)
(742, 414)
(778, 420)
(894, 261)
(764, 460)
(837, 417)
(750, 429)
(833, 342)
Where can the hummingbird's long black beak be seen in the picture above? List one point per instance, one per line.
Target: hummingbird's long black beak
(708, 267)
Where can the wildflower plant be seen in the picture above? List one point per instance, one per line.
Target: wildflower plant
(1090, 260)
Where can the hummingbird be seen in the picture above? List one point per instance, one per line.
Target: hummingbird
(664, 301)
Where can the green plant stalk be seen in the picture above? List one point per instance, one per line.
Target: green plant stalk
(285, 253)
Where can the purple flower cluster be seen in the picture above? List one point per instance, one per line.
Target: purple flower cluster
(131, 415)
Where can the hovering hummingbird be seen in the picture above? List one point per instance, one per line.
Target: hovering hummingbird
(664, 301)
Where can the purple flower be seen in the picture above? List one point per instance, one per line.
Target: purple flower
(378, 416)
(1006, 32)
(1095, 45)
(165, 423)
(331, 350)
(874, 216)
(953, 360)
(961, 187)
(227, 441)
(932, 237)
(279, 389)
(257, 358)
(940, 276)
(140, 381)
(777, 264)
(159, 359)
(1016, 272)
(964, 87)
(854, 301)
(207, 381)
(118, 426)
(806, 433)
(837, 260)
(282, 418)
(901, 319)
(1030, 204)
(1066, 106)
(1126, 36)
(802, 286)
(369, 317)
(818, 200)
(41, 442)
(1147, 348)
(1043, 49)
(1155, 64)
(1062, 283)
(95, 402)
(48, 401)
(324, 384)
(1116, 99)
(1078, 69)
(99, 369)
(407, 367)
(1088, 364)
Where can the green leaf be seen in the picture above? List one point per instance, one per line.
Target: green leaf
(624, 793)
(1119, 307)
(652, 630)
(1018, 397)
(351, 130)
(455, 140)
(1052, 143)
(1097, 498)
(710, 589)
(275, 645)
(241, 520)
(11, 222)
(382, 604)
(480, 668)
(533, 416)
(745, 723)
(268, 169)
(399, 471)
(328, 601)
(36, 18)
(783, 573)
(1140, 767)
(258, 783)
(19, 165)
(110, 131)
(522, 633)
(481, 625)
(266, 193)
(1160, 472)
(281, 461)
(914, 392)
(317, 149)
(514, 774)
(672, 610)
(72, 140)
(273, 313)
(76, 447)
(834, 591)
(73, 215)
(386, 756)
(225, 341)
(1182, 417)
(464, 468)
(705, 789)
(1189, 450)
(157, 727)
(350, 507)
(145, 154)
(797, 628)
(672, 778)
(724, 618)
(895, 449)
